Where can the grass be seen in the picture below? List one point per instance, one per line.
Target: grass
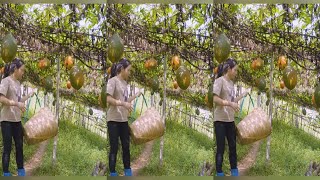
(78, 151)
(185, 150)
(292, 150)
(28, 152)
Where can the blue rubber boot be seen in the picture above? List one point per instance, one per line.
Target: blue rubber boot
(234, 172)
(220, 174)
(21, 172)
(7, 174)
(128, 172)
(114, 174)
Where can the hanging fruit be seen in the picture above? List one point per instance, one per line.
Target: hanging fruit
(68, 84)
(209, 96)
(268, 94)
(216, 70)
(115, 48)
(304, 112)
(267, 102)
(282, 84)
(175, 85)
(76, 78)
(222, 48)
(290, 77)
(8, 48)
(282, 62)
(253, 65)
(90, 111)
(197, 112)
(151, 64)
(68, 62)
(258, 63)
(48, 83)
(313, 101)
(175, 62)
(146, 64)
(103, 96)
(2, 70)
(183, 77)
(43, 63)
(261, 84)
(316, 96)
(154, 83)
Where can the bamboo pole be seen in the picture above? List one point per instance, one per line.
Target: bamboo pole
(55, 143)
(164, 108)
(270, 111)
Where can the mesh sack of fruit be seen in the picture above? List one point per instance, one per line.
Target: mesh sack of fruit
(42, 126)
(255, 126)
(147, 127)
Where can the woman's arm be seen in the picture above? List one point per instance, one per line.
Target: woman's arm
(221, 102)
(134, 96)
(241, 96)
(24, 98)
(116, 102)
(9, 102)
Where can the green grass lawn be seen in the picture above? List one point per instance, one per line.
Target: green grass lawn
(292, 150)
(77, 153)
(185, 150)
(28, 152)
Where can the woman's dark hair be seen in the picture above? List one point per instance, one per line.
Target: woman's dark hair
(224, 67)
(116, 67)
(10, 67)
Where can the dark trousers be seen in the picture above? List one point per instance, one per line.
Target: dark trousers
(12, 130)
(116, 130)
(225, 130)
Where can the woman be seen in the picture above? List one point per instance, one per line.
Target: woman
(226, 106)
(117, 115)
(13, 107)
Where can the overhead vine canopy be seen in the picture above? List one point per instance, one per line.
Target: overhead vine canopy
(161, 31)
(254, 30)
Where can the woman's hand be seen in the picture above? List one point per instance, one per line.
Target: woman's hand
(234, 106)
(138, 94)
(246, 92)
(21, 106)
(127, 105)
(32, 93)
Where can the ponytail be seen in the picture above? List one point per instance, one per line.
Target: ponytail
(11, 67)
(224, 67)
(6, 72)
(116, 67)
(220, 70)
(113, 70)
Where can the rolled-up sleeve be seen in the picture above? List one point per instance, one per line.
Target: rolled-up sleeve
(217, 87)
(111, 87)
(4, 85)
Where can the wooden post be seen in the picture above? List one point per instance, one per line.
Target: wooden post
(55, 143)
(180, 112)
(164, 107)
(190, 120)
(270, 110)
